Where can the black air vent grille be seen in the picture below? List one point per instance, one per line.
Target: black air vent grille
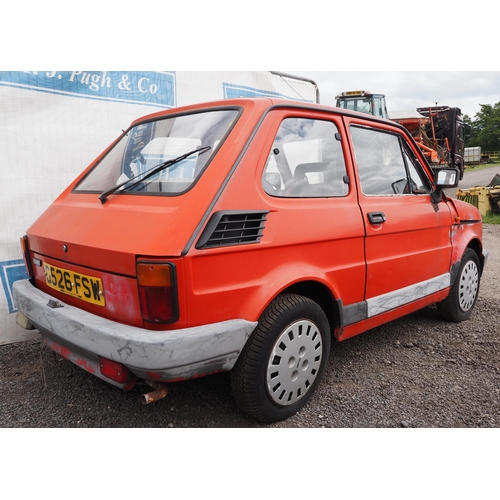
(233, 228)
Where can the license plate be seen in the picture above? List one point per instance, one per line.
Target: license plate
(87, 288)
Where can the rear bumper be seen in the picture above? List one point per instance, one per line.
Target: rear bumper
(151, 355)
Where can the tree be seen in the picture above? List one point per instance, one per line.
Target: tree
(485, 128)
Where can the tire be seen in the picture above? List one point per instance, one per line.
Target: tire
(284, 359)
(463, 294)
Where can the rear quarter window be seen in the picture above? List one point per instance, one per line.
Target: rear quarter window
(306, 161)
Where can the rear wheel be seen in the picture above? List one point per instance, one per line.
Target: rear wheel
(284, 359)
(464, 291)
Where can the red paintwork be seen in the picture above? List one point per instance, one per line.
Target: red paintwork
(306, 240)
(92, 367)
(71, 356)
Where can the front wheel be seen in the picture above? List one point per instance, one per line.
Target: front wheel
(464, 291)
(284, 359)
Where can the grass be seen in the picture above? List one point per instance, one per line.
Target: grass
(491, 218)
(482, 166)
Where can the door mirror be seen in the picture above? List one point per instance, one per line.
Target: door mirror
(444, 178)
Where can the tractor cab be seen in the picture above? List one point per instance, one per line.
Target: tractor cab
(364, 102)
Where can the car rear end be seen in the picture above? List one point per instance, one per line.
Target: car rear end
(106, 260)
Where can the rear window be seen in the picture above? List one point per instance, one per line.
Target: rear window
(162, 157)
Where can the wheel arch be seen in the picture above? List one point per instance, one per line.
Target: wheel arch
(467, 235)
(476, 245)
(319, 293)
(464, 289)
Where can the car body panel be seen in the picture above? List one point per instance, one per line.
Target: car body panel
(363, 273)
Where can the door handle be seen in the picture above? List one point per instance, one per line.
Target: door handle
(376, 217)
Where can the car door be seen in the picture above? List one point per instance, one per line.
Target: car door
(407, 243)
(308, 181)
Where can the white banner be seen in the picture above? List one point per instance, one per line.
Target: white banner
(55, 123)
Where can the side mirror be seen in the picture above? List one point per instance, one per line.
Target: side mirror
(444, 178)
(447, 177)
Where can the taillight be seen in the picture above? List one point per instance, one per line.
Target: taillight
(157, 292)
(26, 257)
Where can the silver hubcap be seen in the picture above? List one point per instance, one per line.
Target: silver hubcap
(294, 362)
(469, 282)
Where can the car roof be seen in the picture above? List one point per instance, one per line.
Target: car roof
(265, 104)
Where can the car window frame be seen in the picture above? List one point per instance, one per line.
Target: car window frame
(286, 172)
(407, 154)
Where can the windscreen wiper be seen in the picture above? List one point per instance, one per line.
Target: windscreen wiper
(142, 176)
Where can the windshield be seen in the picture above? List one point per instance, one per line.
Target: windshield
(361, 104)
(152, 143)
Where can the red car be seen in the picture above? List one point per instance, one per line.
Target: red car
(243, 235)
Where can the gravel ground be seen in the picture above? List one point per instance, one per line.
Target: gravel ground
(414, 372)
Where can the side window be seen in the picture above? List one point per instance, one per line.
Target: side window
(306, 161)
(419, 182)
(385, 166)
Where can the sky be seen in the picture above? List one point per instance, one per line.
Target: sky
(415, 56)
(408, 90)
